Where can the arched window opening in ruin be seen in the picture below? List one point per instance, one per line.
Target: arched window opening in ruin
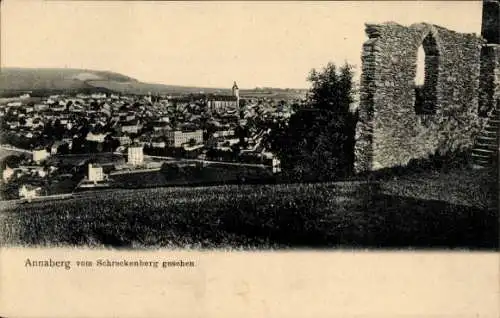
(420, 76)
(426, 76)
(419, 80)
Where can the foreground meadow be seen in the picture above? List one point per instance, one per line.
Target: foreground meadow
(403, 213)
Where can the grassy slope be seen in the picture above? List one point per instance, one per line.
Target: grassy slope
(462, 187)
(263, 216)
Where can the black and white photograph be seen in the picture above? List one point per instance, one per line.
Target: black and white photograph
(274, 159)
(247, 125)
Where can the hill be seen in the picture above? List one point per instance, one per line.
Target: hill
(15, 80)
(42, 81)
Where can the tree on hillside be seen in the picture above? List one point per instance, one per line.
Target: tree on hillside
(317, 143)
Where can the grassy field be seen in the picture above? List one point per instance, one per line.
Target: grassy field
(477, 188)
(322, 215)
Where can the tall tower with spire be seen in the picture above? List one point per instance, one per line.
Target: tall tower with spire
(236, 93)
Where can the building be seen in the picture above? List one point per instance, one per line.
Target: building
(28, 191)
(158, 143)
(97, 137)
(13, 124)
(41, 107)
(98, 95)
(58, 107)
(224, 103)
(131, 127)
(55, 146)
(178, 138)
(7, 173)
(95, 173)
(221, 103)
(276, 165)
(15, 104)
(236, 93)
(39, 171)
(124, 140)
(40, 155)
(135, 155)
(106, 109)
(28, 122)
(223, 133)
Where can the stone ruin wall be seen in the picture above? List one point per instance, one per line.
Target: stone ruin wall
(489, 91)
(390, 132)
(490, 57)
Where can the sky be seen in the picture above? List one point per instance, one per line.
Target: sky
(208, 44)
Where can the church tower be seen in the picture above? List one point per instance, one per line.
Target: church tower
(236, 93)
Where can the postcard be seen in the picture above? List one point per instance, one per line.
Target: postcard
(249, 158)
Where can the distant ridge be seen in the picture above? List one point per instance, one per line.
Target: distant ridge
(43, 81)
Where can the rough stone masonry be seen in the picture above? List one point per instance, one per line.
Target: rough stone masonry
(460, 87)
